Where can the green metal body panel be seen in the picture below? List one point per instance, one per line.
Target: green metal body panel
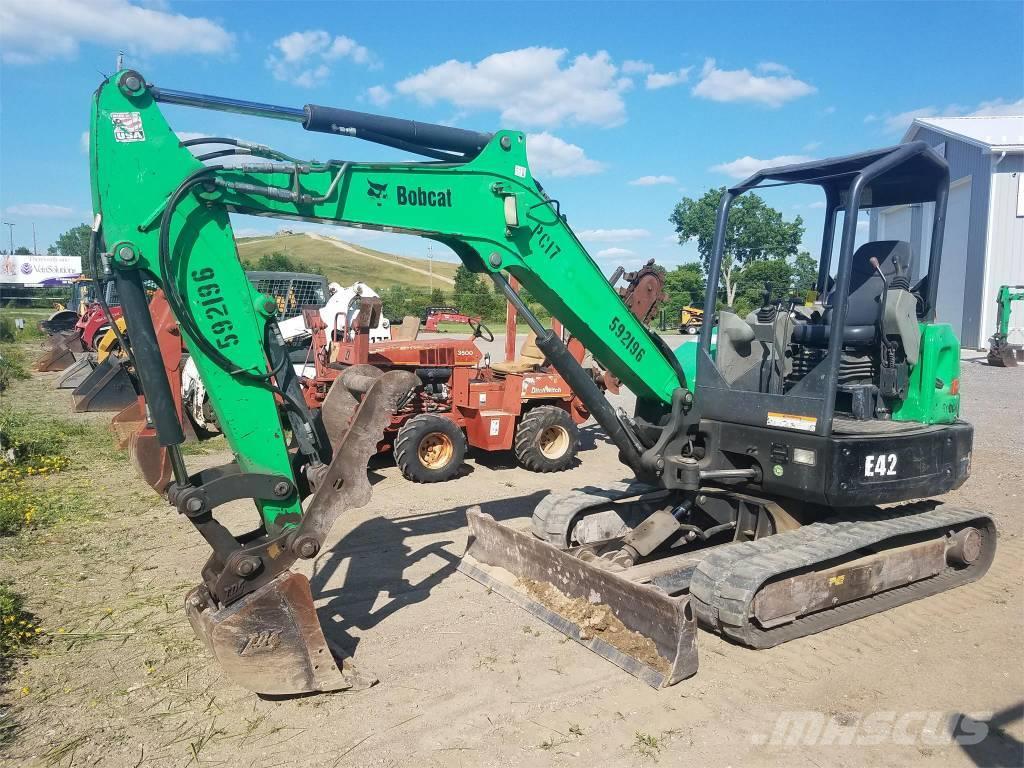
(686, 354)
(131, 179)
(930, 396)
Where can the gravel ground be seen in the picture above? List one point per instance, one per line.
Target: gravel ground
(467, 679)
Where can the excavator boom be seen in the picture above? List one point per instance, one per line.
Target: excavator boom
(163, 215)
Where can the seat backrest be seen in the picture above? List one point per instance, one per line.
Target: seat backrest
(864, 303)
(407, 330)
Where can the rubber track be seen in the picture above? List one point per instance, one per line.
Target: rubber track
(724, 585)
(554, 513)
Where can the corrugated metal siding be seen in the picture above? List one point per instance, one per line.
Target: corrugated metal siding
(969, 160)
(1006, 254)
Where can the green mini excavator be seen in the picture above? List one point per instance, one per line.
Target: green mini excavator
(758, 456)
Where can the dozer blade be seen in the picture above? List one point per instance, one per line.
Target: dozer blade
(107, 388)
(639, 628)
(59, 351)
(150, 459)
(271, 642)
(73, 377)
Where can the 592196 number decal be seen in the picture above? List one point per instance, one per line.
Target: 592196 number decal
(214, 306)
(626, 337)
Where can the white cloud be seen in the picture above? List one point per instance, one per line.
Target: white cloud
(636, 67)
(811, 146)
(898, 123)
(608, 253)
(829, 110)
(742, 85)
(83, 142)
(773, 67)
(817, 204)
(304, 58)
(379, 95)
(36, 30)
(998, 107)
(650, 181)
(40, 211)
(529, 86)
(657, 80)
(745, 166)
(550, 155)
(612, 235)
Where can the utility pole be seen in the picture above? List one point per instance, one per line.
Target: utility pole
(34, 251)
(10, 228)
(430, 261)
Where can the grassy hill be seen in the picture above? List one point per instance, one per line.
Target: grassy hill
(346, 263)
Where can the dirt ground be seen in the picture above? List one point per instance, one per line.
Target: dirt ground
(466, 678)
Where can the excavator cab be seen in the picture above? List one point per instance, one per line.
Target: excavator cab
(806, 388)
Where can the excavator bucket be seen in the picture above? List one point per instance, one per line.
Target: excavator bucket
(108, 387)
(133, 432)
(643, 630)
(58, 354)
(73, 376)
(1004, 355)
(270, 641)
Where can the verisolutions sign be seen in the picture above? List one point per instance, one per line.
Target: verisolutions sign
(38, 270)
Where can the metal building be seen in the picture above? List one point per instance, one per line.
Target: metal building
(983, 246)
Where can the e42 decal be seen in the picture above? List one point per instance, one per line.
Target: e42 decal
(880, 465)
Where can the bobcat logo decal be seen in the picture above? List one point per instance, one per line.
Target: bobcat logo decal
(378, 192)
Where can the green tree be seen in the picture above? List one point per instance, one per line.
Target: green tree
(472, 296)
(281, 261)
(755, 231)
(805, 274)
(772, 275)
(684, 286)
(74, 242)
(21, 250)
(437, 298)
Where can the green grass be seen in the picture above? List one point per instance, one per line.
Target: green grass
(31, 316)
(345, 267)
(33, 448)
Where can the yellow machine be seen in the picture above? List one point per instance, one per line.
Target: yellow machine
(690, 320)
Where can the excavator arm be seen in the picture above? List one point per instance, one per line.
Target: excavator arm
(162, 214)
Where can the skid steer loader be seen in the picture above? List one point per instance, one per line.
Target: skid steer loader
(758, 455)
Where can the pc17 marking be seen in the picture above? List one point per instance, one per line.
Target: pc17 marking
(626, 337)
(880, 465)
(545, 243)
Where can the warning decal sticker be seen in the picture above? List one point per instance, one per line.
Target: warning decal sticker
(792, 421)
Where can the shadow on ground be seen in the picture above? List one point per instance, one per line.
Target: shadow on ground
(375, 557)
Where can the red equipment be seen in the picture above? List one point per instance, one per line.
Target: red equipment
(519, 405)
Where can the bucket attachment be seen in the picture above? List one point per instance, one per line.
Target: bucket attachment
(59, 351)
(132, 431)
(107, 388)
(270, 641)
(639, 628)
(1003, 355)
(73, 377)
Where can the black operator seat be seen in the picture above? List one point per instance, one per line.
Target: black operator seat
(864, 303)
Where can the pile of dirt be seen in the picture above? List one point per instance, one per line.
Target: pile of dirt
(596, 620)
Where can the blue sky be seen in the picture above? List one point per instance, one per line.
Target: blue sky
(628, 106)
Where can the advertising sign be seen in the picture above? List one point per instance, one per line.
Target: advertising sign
(34, 270)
